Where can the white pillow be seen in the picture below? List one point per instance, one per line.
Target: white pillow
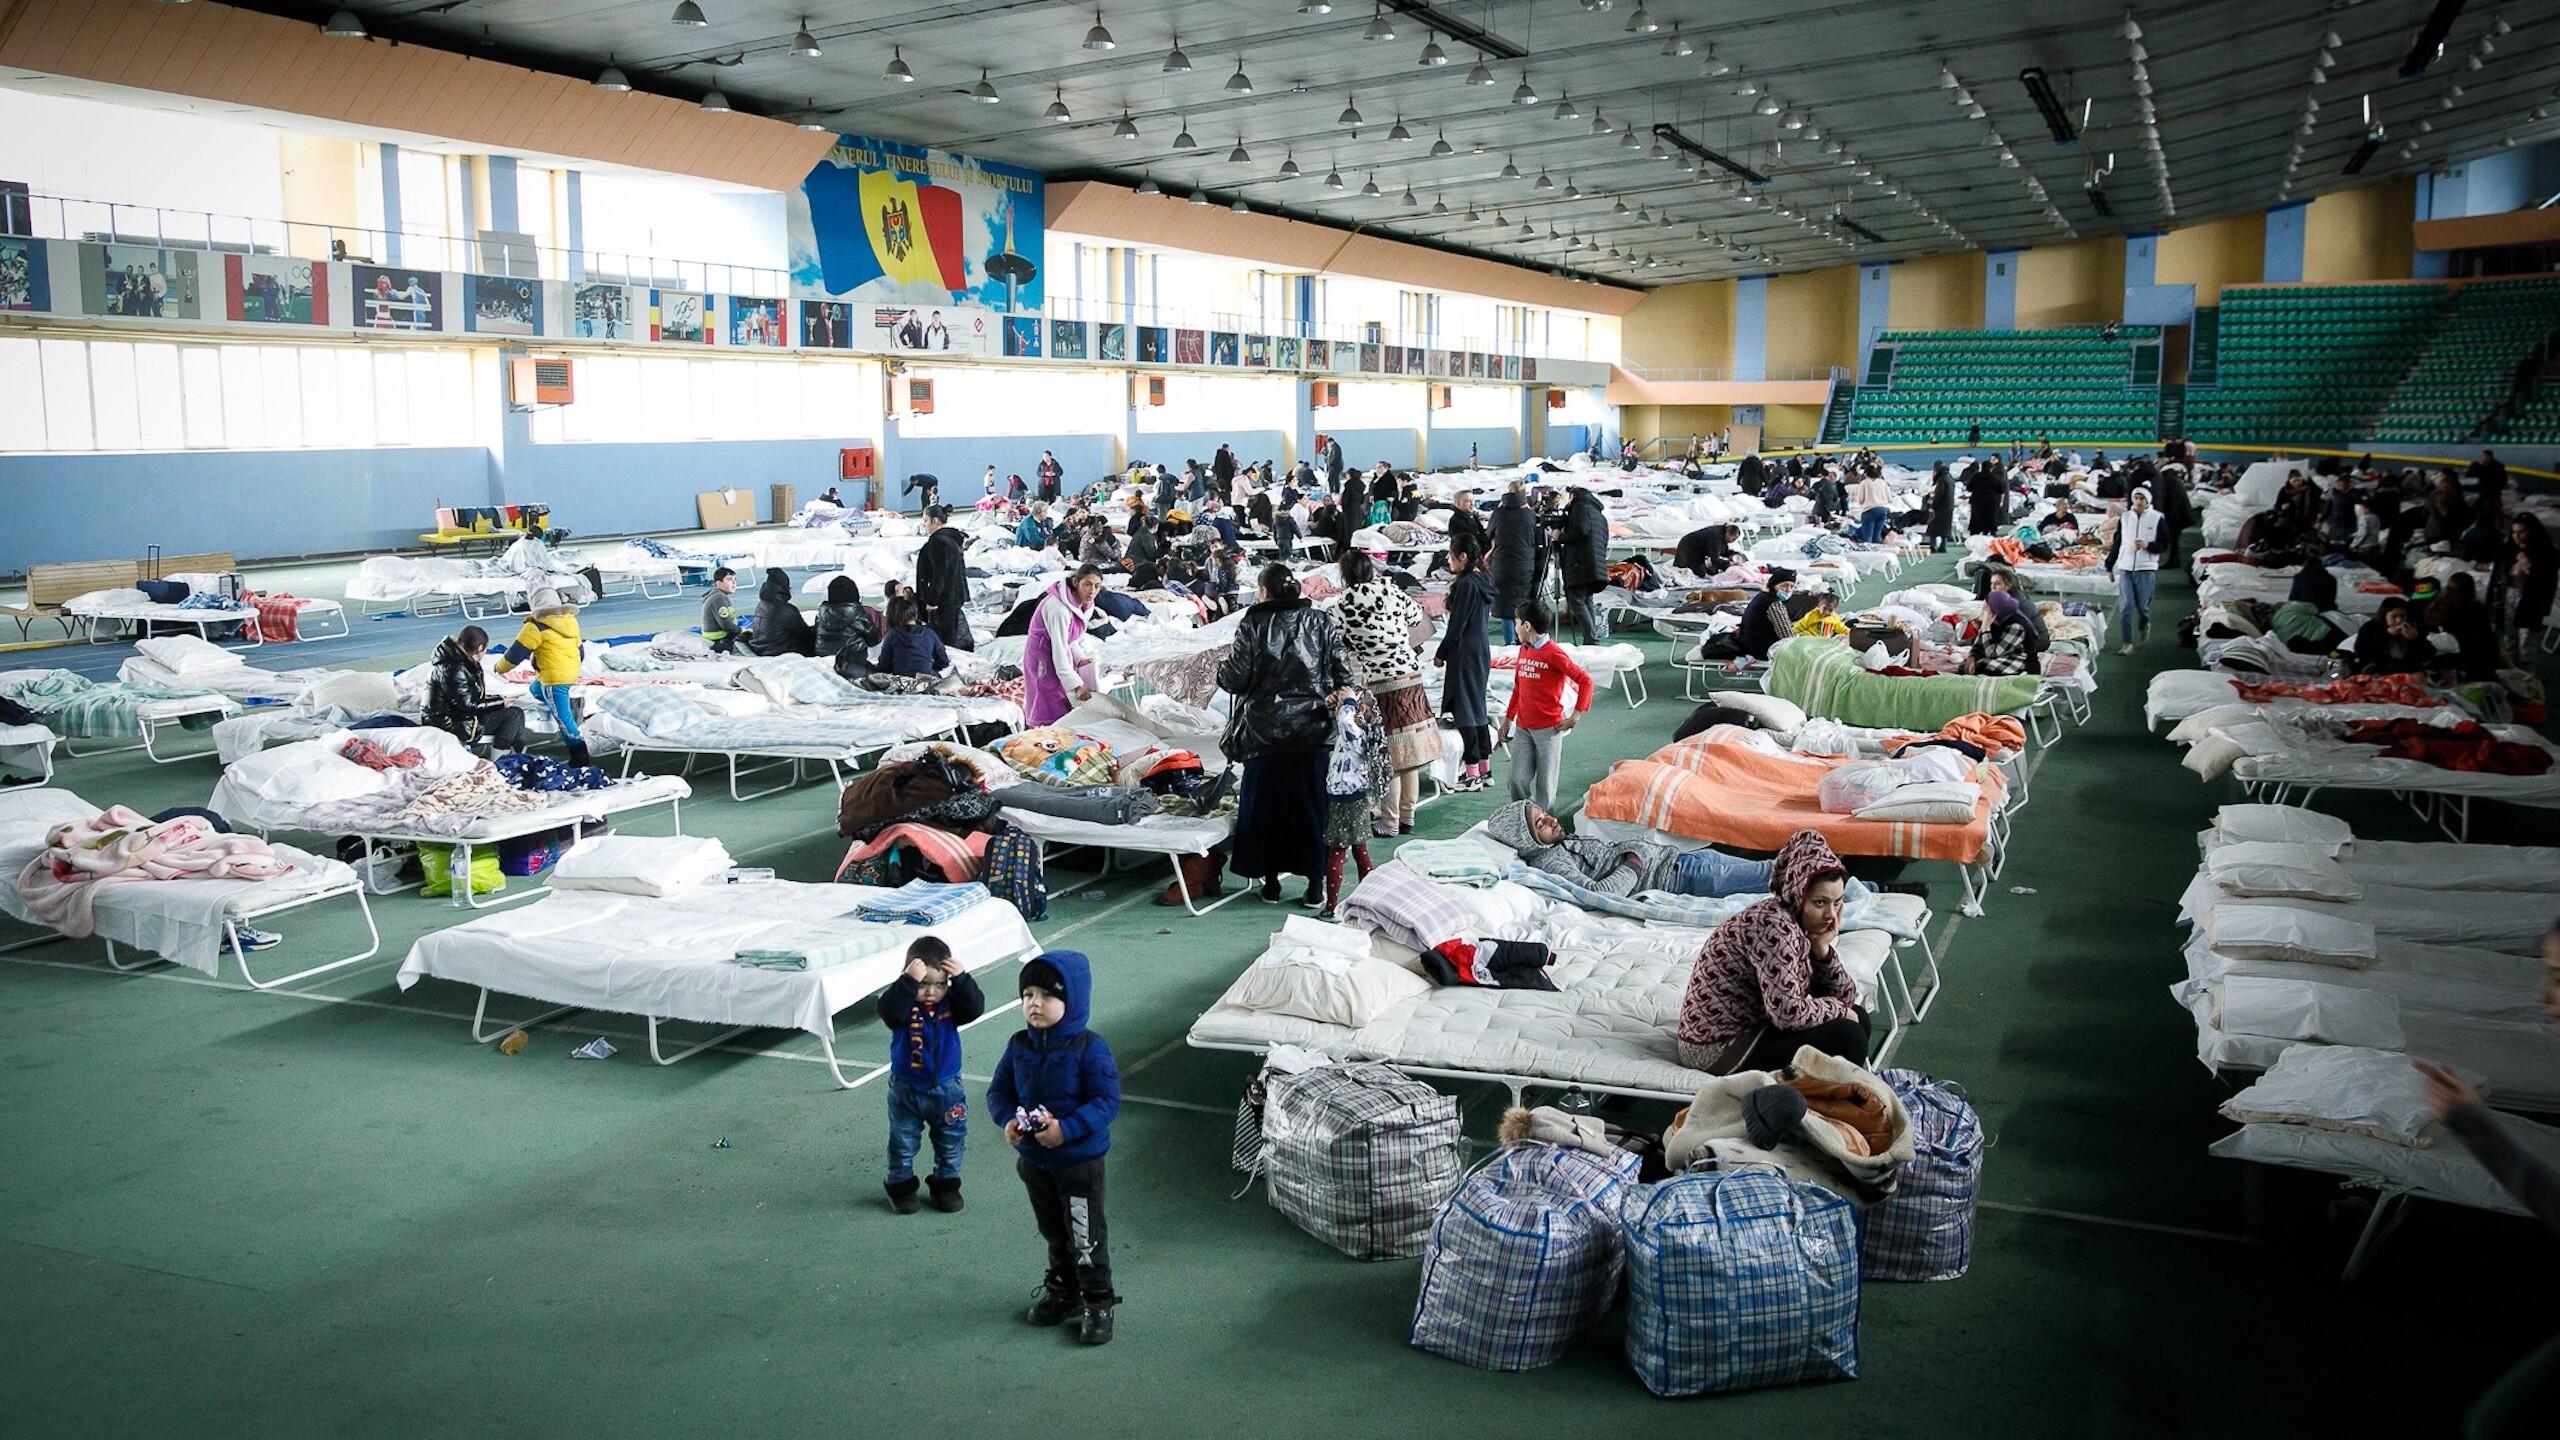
(2287, 823)
(639, 864)
(1774, 712)
(307, 772)
(653, 710)
(188, 654)
(2268, 867)
(440, 756)
(1315, 985)
(358, 692)
(2213, 756)
(2349, 1088)
(2308, 1010)
(2285, 932)
(1932, 802)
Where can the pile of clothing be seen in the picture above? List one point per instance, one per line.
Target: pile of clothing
(2468, 745)
(120, 846)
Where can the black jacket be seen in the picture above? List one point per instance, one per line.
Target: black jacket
(780, 627)
(847, 625)
(1468, 525)
(457, 703)
(942, 586)
(1286, 659)
(1515, 555)
(1584, 546)
(1942, 505)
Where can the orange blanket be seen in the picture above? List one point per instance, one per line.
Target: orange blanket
(1731, 794)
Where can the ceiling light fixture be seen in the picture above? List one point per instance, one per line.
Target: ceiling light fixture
(1480, 74)
(1432, 54)
(1510, 170)
(1544, 183)
(984, 92)
(1239, 155)
(716, 103)
(1369, 188)
(345, 26)
(1599, 124)
(1678, 46)
(1350, 112)
(687, 13)
(898, 70)
(803, 43)
(1099, 38)
(1441, 147)
(1289, 167)
(1641, 23)
(1182, 139)
(1127, 129)
(1378, 27)
(1568, 110)
(1239, 207)
(1147, 185)
(1522, 94)
(1333, 179)
(1717, 68)
(1057, 110)
(611, 78)
(1199, 197)
(1177, 63)
(1399, 132)
(1239, 83)
(1315, 7)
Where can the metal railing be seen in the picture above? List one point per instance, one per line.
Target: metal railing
(1837, 374)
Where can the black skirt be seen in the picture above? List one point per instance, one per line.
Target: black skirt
(1280, 816)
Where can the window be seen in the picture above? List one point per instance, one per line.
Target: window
(977, 400)
(115, 395)
(662, 398)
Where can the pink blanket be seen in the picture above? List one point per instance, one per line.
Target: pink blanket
(119, 846)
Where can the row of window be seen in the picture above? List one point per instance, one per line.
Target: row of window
(93, 395)
(675, 397)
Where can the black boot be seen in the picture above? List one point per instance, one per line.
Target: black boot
(946, 1193)
(1095, 1328)
(1054, 1306)
(902, 1196)
(578, 754)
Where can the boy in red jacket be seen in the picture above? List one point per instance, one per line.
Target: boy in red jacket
(1537, 708)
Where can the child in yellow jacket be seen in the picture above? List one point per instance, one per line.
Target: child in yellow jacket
(550, 639)
(1824, 619)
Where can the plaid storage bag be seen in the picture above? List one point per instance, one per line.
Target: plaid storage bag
(1738, 1279)
(1524, 1258)
(1360, 1156)
(1924, 1229)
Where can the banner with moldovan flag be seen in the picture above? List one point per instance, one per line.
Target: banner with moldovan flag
(880, 222)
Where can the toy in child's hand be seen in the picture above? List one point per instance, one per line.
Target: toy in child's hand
(1033, 1120)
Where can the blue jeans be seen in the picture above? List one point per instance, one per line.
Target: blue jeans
(2133, 602)
(556, 699)
(1873, 524)
(1715, 874)
(915, 1111)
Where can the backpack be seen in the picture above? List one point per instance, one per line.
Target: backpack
(1525, 1256)
(1923, 1230)
(1011, 871)
(1738, 1279)
(1360, 1156)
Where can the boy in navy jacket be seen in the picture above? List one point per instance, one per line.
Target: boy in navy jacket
(1055, 1092)
(924, 1009)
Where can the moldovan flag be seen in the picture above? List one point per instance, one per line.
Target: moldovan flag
(872, 224)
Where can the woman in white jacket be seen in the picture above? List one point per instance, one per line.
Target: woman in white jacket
(2133, 556)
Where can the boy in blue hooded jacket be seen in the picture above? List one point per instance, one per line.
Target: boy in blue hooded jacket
(1055, 1092)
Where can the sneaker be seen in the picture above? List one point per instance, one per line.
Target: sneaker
(1314, 898)
(1270, 889)
(256, 939)
(1052, 1308)
(1381, 830)
(1095, 1328)
(2125, 649)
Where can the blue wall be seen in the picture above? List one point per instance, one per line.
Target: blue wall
(1875, 301)
(2141, 261)
(1564, 440)
(2284, 243)
(1449, 447)
(251, 503)
(959, 461)
(1364, 448)
(1170, 448)
(1751, 327)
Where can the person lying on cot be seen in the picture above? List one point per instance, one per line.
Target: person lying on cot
(1620, 867)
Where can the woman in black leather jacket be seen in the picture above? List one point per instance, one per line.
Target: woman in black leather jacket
(459, 704)
(847, 628)
(1288, 672)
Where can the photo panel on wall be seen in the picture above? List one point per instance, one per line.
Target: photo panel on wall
(602, 312)
(1111, 341)
(1190, 347)
(1257, 352)
(26, 281)
(397, 298)
(1288, 352)
(504, 305)
(1022, 336)
(275, 290)
(1066, 340)
(682, 316)
(140, 281)
(826, 325)
(757, 322)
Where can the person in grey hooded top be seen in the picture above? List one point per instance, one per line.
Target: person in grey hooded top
(1620, 867)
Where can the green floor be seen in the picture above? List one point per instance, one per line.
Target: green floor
(328, 1212)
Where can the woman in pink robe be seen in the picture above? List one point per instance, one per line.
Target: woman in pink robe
(1056, 673)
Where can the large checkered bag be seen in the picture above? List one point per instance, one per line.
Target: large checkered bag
(1924, 1229)
(1738, 1279)
(1360, 1156)
(1524, 1258)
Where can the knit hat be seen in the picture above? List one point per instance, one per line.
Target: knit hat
(547, 599)
(1780, 575)
(1043, 975)
(1771, 1114)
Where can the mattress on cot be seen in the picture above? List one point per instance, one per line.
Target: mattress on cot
(2272, 758)
(564, 809)
(668, 956)
(1826, 678)
(2434, 864)
(812, 732)
(112, 712)
(1610, 1021)
(1734, 795)
(2442, 1171)
(1156, 834)
(249, 684)
(178, 920)
(2509, 922)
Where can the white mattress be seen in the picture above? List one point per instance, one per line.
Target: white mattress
(2442, 1171)
(2510, 923)
(243, 682)
(178, 920)
(1609, 1022)
(567, 808)
(1156, 834)
(2271, 759)
(668, 957)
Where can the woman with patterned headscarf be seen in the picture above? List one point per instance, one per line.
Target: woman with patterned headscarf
(1770, 979)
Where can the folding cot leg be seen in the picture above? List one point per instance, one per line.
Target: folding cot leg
(827, 1046)
(302, 631)
(1630, 681)
(753, 769)
(1929, 972)
(479, 1012)
(239, 957)
(145, 963)
(2389, 1209)
(664, 1059)
(1183, 888)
